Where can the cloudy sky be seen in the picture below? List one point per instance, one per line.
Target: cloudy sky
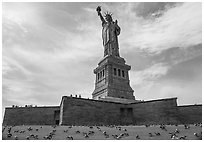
(50, 50)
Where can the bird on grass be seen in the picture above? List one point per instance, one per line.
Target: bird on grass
(22, 131)
(177, 131)
(182, 137)
(30, 128)
(16, 131)
(126, 134)
(199, 136)
(124, 129)
(106, 136)
(91, 132)
(115, 136)
(104, 132)
(65, 131)
(98, 128)
(15, 137)
(77, 132)
(47, 137)
(174, 137)
(150, 135)
(9, 135)
(137, 137)
(27, 138)
(35, 136)
(86, 136)
(186, 126)
(157, 133)
(69, 138)
(195, 134)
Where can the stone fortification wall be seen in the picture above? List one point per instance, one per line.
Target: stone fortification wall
(78, 111)
(83, 111)
(30, 115)
(163, 111)
(190, 114)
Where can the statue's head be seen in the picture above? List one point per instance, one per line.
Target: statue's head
(108, 17)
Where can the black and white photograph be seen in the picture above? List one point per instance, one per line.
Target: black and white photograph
(102, 70)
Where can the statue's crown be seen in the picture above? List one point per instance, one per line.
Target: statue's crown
(108, 14)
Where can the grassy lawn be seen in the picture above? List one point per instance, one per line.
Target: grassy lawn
(101, 133)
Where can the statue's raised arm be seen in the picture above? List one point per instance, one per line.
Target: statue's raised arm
(98, 9)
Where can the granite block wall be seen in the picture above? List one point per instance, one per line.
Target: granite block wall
(82, 112)
(31, 115)
(163, 111)
(190, 114)
(89, 112)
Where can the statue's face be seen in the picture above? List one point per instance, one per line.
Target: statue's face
(108, 18)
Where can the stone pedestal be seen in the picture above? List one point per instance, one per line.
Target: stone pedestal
(112, 79)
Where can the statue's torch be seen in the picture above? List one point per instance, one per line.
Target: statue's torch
(98, 9)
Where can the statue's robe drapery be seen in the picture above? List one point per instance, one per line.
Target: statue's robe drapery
(110, 32)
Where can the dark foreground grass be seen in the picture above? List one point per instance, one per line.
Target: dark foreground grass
(102, 132)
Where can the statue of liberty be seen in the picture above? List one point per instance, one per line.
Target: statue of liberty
(110, 33)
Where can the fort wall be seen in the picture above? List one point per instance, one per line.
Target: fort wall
(31, 115)
(163, 111)
(79, 111)
(190, 114)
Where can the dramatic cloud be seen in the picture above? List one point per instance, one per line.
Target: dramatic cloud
(50, 50)
(180, 26)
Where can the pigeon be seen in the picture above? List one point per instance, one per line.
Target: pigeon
(77, 132)
(22, 131)
(65, 131)
(177, 131)
(104, 132)
(16, 138)
(91, 132)
(70, 137)
(106, 135)
(195, 134)
(27, 137)
(137, 137)
(16, 131)
(9, 135)
(115, 136)
(150, 135)
(86, 136)
(174, 137)
(182, 137)
(157, 134)
(186, 126)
